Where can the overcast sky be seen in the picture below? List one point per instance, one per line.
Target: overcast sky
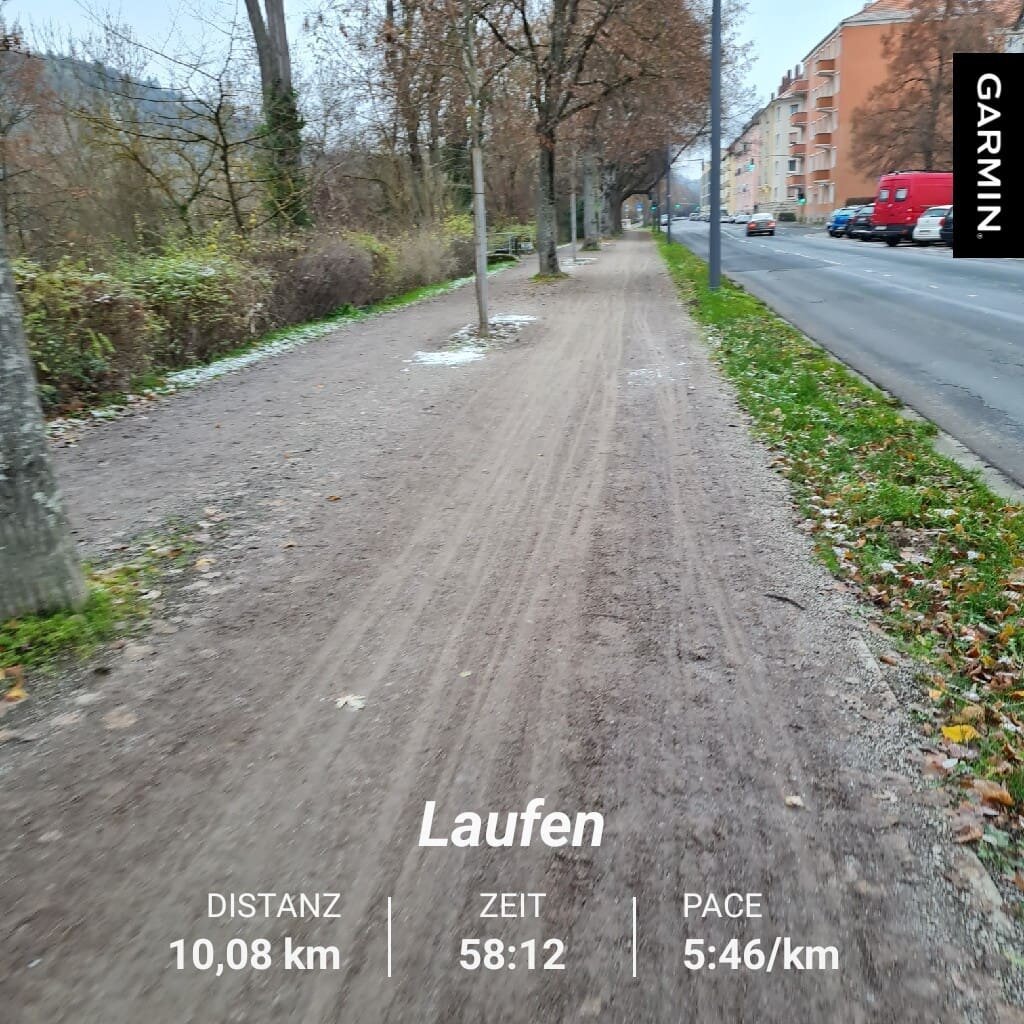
(782, 32)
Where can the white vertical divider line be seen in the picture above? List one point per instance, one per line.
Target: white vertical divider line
(389, 936)
(634, 936)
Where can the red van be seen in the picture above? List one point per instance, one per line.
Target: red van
(903, 196)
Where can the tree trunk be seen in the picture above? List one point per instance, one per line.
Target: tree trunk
(38, 564)
(547, 220)
(591, 200)
(613, 210)
(282, 123)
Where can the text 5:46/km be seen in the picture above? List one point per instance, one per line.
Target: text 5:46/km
(781, 953)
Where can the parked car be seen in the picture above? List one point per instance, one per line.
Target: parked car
(740, 218)
(695, 216)
(836, 224)
(664, 220)
(861, 224)
(760, 224)
(929, 225)
(946, 231)
(903, 196)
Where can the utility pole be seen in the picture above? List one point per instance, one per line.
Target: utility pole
(668, 193)
(715, 222)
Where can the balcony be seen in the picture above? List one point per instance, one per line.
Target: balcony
(823, 139)
(799, 118)
(825, 103)
(798, 149)
(796, 180)
(825, 174)
(825, 67)
(797, 88)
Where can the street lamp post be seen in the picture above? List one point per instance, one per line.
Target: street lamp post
(668, 194)
(715, 223)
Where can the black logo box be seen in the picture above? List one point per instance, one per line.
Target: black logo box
(988, 155)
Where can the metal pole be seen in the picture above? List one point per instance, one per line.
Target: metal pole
(668, 193)
(715, 223)
(572, 208)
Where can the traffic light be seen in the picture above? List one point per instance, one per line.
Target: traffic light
(801, 198)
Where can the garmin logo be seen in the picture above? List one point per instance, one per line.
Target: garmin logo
(988, 152)
(990, 146)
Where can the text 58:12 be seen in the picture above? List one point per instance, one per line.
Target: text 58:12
(496, 955)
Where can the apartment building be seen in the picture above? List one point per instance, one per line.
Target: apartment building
(785, 121)
(1015, 35)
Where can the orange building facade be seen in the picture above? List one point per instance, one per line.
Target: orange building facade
(841, 72)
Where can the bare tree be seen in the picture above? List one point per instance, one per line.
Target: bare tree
(907, 120)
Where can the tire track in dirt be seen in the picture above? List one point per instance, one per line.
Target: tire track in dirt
(593, 541)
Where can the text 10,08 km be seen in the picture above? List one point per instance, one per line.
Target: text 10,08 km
(782, 954)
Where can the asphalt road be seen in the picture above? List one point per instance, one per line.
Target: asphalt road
(944, 336)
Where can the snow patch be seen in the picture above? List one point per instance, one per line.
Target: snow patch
(449, 357)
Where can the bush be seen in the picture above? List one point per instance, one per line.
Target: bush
(209, 302)
(787, 216)
(422, 258)
(88, 333)
(311, 283)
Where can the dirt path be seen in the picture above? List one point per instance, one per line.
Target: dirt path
(582, 524)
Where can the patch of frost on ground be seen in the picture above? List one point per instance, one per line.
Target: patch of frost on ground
(449, 357)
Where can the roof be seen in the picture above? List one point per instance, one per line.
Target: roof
(881, 11)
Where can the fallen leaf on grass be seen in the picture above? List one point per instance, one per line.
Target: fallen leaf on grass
(334, 497)
(993, 792)
(970, 713)
(352, 701)
(968, 834)
(794, 801)
(960, 733)
(202, 564)
(16, 691)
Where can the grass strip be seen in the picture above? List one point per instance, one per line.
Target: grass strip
(937, 556)
(120, 598)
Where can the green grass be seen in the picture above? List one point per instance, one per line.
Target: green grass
(117, 604)
(935, 553)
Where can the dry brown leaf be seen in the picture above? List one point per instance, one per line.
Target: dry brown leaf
(992, 792)
(334, 497)
(967, 714)
(968, 834)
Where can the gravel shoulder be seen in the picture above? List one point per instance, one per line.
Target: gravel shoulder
(562, 571)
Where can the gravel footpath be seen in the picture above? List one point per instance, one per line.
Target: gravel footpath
(562, 570)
